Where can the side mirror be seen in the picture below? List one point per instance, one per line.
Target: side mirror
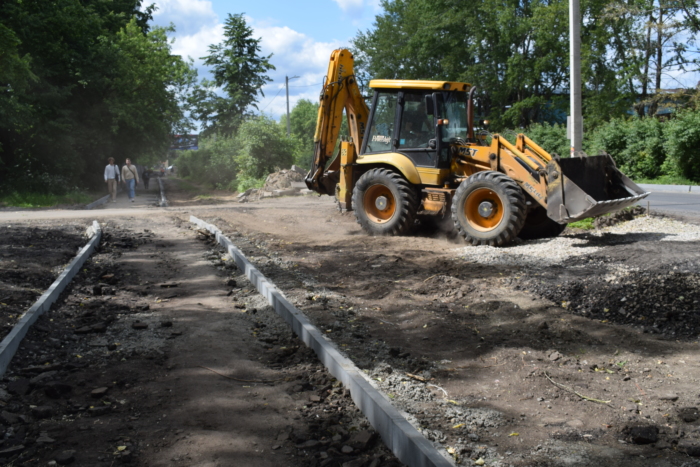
(429, 105)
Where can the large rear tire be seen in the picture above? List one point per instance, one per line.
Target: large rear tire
(384, 203)
(539, 225)
(489, 209)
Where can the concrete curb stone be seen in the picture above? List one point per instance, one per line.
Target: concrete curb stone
(409, 446)
(163, 201)
(671, 188)
(10, 343)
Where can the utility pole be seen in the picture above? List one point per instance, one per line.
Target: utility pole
(286, 84)
(576, 118)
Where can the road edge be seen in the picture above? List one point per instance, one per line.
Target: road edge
(693, 189)
(409, 446)
(10, 343)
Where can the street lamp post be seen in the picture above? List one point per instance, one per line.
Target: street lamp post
(286, 84)
(576, 119)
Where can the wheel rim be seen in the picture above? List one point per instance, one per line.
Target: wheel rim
(483, 209)
(379, 204)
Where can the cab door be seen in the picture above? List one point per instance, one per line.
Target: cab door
(416, 124)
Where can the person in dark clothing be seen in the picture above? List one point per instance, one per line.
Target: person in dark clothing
(146, 177)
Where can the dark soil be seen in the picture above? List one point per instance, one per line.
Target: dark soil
(488, 358)
(496, 363)
(31, 257)
(91, 385)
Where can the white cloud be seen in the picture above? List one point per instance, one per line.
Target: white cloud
(188, 16)
(186, 7)
(294, 54)
(351, 7)
(197, 45)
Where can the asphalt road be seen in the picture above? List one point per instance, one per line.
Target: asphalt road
(687, 204)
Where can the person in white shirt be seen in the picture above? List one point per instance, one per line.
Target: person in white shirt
(112, 178)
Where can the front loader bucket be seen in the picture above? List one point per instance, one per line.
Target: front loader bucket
(581, 187)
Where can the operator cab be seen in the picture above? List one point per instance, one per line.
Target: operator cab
(419, 119)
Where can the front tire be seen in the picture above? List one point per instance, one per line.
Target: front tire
(384, 203)
(489, 209)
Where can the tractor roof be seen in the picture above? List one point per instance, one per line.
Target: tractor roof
(418, 84)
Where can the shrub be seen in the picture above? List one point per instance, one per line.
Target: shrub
(551, 138)
(682, 135)
(636, 145)
(262, 146)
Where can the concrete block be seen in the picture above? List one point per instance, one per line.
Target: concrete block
(288, 192)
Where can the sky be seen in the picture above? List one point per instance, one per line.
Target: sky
(300, 35)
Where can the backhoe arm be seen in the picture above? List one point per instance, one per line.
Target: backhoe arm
(340, 91)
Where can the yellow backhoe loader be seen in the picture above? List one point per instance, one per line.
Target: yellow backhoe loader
(415, 153)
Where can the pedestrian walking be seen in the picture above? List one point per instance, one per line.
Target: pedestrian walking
(146, 178)
(130, 177)
(112, 178)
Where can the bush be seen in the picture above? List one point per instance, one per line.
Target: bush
(262, 146)
(551, 138)
(636, 145)
(682, 135)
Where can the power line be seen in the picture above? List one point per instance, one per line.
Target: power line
(306, 86)
(273, 99)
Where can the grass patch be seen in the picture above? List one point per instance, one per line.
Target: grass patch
(187, 186)
(586, 224)
(41, 200)
(666, 180)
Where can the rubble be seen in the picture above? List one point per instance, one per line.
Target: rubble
(280, 183)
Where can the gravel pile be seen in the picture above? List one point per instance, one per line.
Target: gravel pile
(554, 251)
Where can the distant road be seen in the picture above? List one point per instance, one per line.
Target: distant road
(672, 200)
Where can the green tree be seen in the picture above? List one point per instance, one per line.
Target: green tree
(240, 71)
(82, 80)
(263, 147)
(146, 94)
(302, 122)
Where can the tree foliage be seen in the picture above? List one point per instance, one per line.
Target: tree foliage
(517, 52)
(239, 71)
(302, 122)
(81, 81)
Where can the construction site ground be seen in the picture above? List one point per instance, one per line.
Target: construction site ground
(580, 350)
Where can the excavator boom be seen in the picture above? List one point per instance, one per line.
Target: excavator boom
(340, 91)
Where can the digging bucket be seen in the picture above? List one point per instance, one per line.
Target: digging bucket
(581, 187)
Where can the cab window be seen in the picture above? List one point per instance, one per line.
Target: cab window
(416, 125)
(381, 130)
(453, 107)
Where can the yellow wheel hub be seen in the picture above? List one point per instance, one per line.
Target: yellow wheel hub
(483, 209)
(379, 204)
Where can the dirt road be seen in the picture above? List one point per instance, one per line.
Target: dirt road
(575, 351)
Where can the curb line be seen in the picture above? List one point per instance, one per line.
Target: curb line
(10, 343)
(693, 189)
(99, 202)
(163, 203)
(409, 446)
